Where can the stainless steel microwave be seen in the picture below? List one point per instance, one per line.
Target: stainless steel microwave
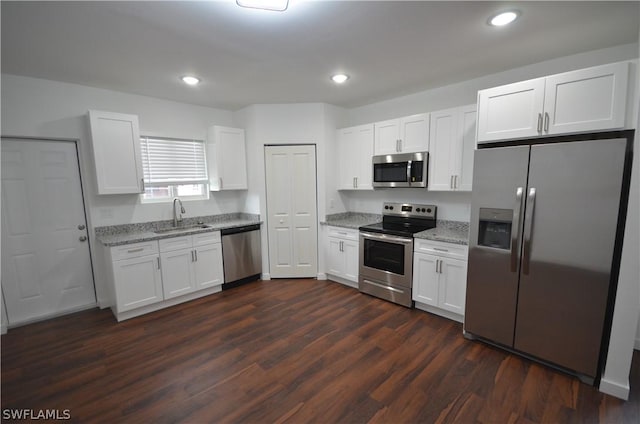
(400, 170)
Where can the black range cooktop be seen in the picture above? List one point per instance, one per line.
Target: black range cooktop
(404, 220)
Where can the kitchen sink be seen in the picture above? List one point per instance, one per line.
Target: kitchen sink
(181, 229)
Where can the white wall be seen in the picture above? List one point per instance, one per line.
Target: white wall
(466, 92)
(625, 328)
(48, 109)
(455, 206)
(306, 123)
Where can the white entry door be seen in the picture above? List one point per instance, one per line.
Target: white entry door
(291, 210)
(46, 267)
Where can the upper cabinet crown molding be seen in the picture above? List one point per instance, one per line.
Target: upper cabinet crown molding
(591, 99)
(355, 149)
(226, 158)
(404, 135)
(115, 139)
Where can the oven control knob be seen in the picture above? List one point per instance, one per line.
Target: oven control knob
(424, 210)
(428, 210)
(391, 207)
(386, 206)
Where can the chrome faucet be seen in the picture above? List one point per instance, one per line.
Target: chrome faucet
(177, 216)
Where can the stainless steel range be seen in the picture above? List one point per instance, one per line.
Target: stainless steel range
(386, 251)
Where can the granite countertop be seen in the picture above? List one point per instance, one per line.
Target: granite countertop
(351, 220)
(117, 235)
(455, 232)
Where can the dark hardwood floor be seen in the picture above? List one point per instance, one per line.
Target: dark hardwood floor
(292, 351)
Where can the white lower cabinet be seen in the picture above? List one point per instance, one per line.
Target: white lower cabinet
(136, 275)
(190, 263)
(207, 269)
(440, 278)
(152, 275)
(342, 253)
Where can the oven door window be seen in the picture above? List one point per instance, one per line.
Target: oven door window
(384, 256)
(390, 172)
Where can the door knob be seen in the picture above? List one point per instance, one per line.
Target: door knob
(81, 227)
(82, 238)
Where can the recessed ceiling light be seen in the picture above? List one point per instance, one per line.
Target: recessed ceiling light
(339, 78)
(504, 18)
(275, 5)
(188, 79)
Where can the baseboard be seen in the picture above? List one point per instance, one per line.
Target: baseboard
(321, 276)
(618, 390)
(121, 316)
(265, 277)
(340, 280)
(440, 312)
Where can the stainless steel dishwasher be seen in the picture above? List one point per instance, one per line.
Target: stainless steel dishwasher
(241, 253)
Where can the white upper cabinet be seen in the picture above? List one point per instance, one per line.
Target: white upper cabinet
(586, 100)
(452, 142)
(355, 149)
(226, 159)
(510, 111)
(591, 99)
(405, 135)
(116, 151)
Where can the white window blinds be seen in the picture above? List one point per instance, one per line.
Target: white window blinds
(173, 161)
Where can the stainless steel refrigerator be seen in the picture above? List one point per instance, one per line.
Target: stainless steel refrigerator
(545, 236)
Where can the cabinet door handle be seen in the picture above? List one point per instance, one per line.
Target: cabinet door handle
(451, 182)
(437, 264)
(195, 253)
(158, 258)
(400, 144)
(539, 122)
(354, 182)
(455, 181)
(192, 258)
(342, 246)
(220, 179)
(142, 185)
(546, 122)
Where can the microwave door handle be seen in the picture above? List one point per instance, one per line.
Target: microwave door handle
(409, 172)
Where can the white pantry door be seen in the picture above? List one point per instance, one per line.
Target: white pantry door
(46, 267)
(291, 211)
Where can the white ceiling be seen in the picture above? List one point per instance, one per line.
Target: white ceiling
(244, 56)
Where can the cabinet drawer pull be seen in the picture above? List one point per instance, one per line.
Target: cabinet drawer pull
(140, 249)
(440, 250)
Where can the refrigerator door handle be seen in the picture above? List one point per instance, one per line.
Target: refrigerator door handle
(515, 235)
(526, 250)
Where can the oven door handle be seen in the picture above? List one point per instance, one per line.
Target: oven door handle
(386, 237)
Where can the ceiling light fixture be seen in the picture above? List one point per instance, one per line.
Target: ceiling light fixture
(339, 78)
(190, 80)
(504, 18)
(273, 5)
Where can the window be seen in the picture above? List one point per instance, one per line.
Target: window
(173, 168)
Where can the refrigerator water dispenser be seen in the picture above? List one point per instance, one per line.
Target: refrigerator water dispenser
(495, 228)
